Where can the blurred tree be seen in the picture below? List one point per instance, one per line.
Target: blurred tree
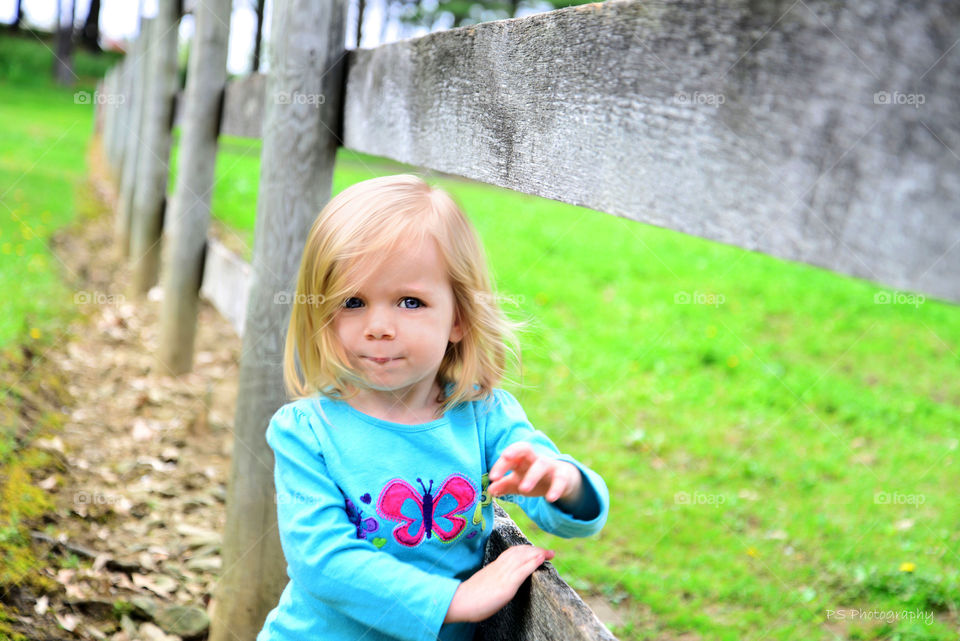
(63, 61)
(90, 34)
(17, 16)
(258, 7)
(360, 11)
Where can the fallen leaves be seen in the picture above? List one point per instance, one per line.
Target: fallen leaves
(134, 544)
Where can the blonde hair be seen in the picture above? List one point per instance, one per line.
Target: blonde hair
(368, 220)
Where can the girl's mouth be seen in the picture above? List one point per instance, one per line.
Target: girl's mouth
(379, 360)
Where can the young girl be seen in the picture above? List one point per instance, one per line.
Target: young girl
(387, 464)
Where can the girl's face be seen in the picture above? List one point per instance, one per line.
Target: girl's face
(396, 328)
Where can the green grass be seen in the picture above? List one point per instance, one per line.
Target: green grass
(779, 451)
(45, 134)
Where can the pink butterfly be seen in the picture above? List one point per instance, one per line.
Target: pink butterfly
(398, 491)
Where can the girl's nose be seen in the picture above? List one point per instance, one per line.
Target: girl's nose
(379, 325)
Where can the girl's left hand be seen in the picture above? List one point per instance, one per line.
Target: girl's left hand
(534, 475)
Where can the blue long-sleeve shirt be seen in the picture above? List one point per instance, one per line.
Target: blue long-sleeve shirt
(381, 521)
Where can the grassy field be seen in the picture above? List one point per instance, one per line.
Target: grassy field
(45, 132)
(781, 448)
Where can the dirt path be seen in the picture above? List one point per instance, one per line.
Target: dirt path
(143, 461)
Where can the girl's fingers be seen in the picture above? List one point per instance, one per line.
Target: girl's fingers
(529, 559)
(513, 457)
(533, 475)
(530, 566)
(541, 478)
(506, 485)
(557, 487)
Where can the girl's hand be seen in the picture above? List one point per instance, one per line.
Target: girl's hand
(482, 595)
(534, 475)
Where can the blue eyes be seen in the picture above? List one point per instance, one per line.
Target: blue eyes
(355, 303)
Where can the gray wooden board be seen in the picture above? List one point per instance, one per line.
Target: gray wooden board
(243, 106)
(793, 128)
(226, 283)
(545, 608)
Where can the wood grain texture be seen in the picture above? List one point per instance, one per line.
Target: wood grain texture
(545, 608)
(131, 133)
(759, 124)
(146, 222)
(188, 216)
(296, 176)
(243, 106)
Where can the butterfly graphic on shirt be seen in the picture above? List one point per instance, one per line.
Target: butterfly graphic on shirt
(432, 512)
(355, 514)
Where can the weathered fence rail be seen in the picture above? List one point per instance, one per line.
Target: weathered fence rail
(762, 125)
(802, 139)
(815, 131)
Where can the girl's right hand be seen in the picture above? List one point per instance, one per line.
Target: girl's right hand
(491, 588)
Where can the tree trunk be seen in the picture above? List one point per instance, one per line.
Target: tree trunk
(63, 61)
(361, 7)
(259, 37)
(17, 16)
(90, 35)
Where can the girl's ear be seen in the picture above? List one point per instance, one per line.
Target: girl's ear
(456, 332)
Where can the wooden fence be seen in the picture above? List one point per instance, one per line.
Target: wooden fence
(810, 130)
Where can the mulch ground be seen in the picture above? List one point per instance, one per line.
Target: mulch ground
(141, 464)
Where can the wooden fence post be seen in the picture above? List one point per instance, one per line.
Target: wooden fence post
(110, 88)
(112, 135)
(154, 157)
(189, 211)
(113, 120)
(126, 114)
(131, 133)
(98, 105)
(296, 175)
(114, 106)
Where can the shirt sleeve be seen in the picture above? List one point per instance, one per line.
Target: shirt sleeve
(327, 560)
(506, 424)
